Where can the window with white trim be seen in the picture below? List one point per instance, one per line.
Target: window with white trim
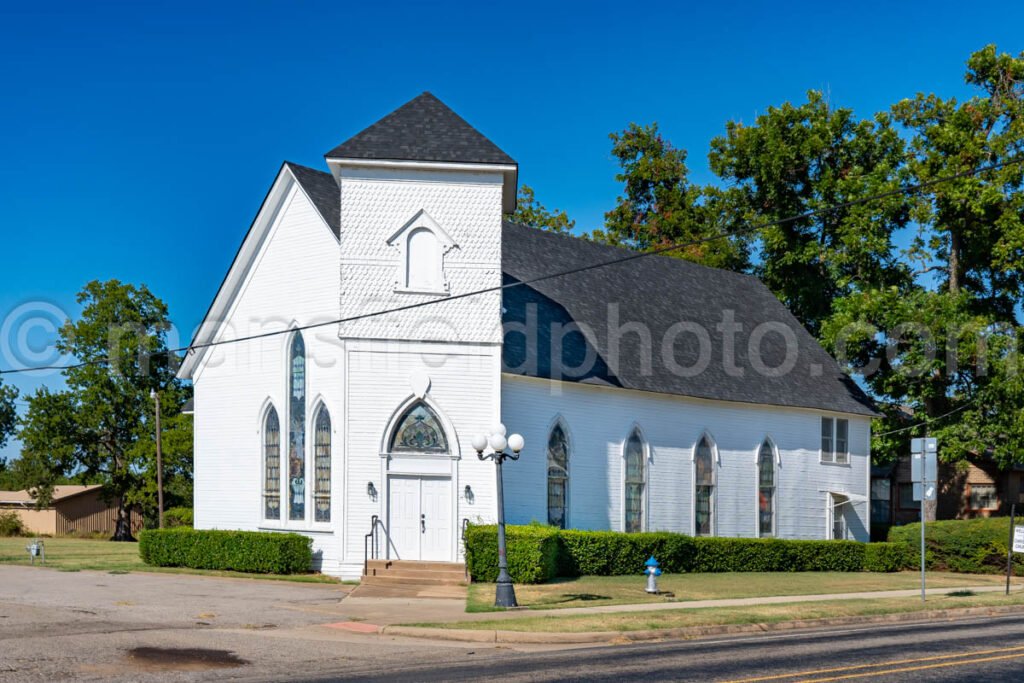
(635, 482)
(322, 466)
(766, 490)
(271, 465)
(835, 440)
(422, 245)
(704, 489)
(297, 429)
(558, 476)
(984, 497)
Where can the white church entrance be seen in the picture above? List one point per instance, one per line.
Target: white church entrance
(420, 518)
(420, 470)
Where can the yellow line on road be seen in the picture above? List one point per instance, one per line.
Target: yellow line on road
(897, 662)
(962, 662)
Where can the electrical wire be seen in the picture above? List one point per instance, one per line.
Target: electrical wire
(929, 420)
(749, 228)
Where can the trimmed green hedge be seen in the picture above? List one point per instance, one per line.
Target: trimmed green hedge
(887, 557)
(538, 553)
(611, 553)
(242, 551)
(972, 546)
(533, 553)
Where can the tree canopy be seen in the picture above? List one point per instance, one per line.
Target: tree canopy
(101, 426)
(533, 214)
(918, 290)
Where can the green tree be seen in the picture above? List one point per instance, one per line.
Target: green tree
(96, 426)
(532, 213)
(800, 159)
(8, 412)
(947, 348)
(660, 206)
(972, 229)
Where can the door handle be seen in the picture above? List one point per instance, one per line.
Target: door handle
(423, 523)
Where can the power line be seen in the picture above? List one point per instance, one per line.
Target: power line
(928, 421)
(749, 228)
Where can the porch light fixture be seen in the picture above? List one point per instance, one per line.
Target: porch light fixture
(371, 490)
(505, 594)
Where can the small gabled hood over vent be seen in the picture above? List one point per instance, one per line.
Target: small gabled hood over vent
(423, 129)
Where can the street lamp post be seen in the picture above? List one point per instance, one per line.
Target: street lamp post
(159, 460)
(505, 594)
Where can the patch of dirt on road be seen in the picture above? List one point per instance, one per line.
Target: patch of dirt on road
(183, 659)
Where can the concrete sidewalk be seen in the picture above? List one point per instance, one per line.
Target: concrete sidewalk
(389, 611)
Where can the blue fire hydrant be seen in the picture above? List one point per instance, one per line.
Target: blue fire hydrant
(653, 572)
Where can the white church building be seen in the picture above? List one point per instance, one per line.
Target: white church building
(381, 313)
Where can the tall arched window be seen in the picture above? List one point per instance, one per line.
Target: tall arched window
(297, 429)
(704, 489)
(419, 431)
(558, 476)
(766, 490)
(636, 482)
(322, 466)
(271, 465)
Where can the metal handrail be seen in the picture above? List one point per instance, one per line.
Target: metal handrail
(371, 542)
(465, 525)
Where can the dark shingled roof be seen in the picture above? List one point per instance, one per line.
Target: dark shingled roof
(657, 292)
(323, 190)
(423, 129)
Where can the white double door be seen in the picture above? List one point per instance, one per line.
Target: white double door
(420, 518)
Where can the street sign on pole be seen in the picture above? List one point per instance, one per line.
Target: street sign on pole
(924, 472)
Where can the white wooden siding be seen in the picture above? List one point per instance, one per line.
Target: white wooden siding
(600, 419)
(294, 281)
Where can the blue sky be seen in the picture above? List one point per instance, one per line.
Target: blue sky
(138, 139)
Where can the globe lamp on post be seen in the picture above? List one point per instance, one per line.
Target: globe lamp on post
(505, 594)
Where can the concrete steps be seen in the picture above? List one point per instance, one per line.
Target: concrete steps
(385, 572)
(411, 578)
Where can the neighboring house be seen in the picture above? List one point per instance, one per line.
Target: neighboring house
(977, 487)
(318, 430)
(73, 510)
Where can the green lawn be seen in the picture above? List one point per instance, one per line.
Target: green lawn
(590, 591)
(754, 614)
(74, 554)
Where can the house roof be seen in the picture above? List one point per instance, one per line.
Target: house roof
(659, 292)
(423, 129)
(322, 190)
(59, 493)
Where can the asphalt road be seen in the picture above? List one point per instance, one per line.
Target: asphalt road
(990, 649)
(164, 627)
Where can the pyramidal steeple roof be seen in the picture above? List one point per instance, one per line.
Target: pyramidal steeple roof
(423, 129)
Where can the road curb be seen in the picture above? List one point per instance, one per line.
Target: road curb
(688, 632)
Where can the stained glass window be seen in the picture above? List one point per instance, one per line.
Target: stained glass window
(272, 466)
(704, 489)
(322, 464)
(766, 490)
(419, 431)
(558, 476)
(635, 482)
(297, 430)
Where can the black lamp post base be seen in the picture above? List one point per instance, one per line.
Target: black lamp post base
(505, 595)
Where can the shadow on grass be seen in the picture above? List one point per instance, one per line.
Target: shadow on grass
(577, 597)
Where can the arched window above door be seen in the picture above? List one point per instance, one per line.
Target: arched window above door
(418, 430)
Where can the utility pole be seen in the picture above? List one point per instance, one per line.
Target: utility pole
(159, 460)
